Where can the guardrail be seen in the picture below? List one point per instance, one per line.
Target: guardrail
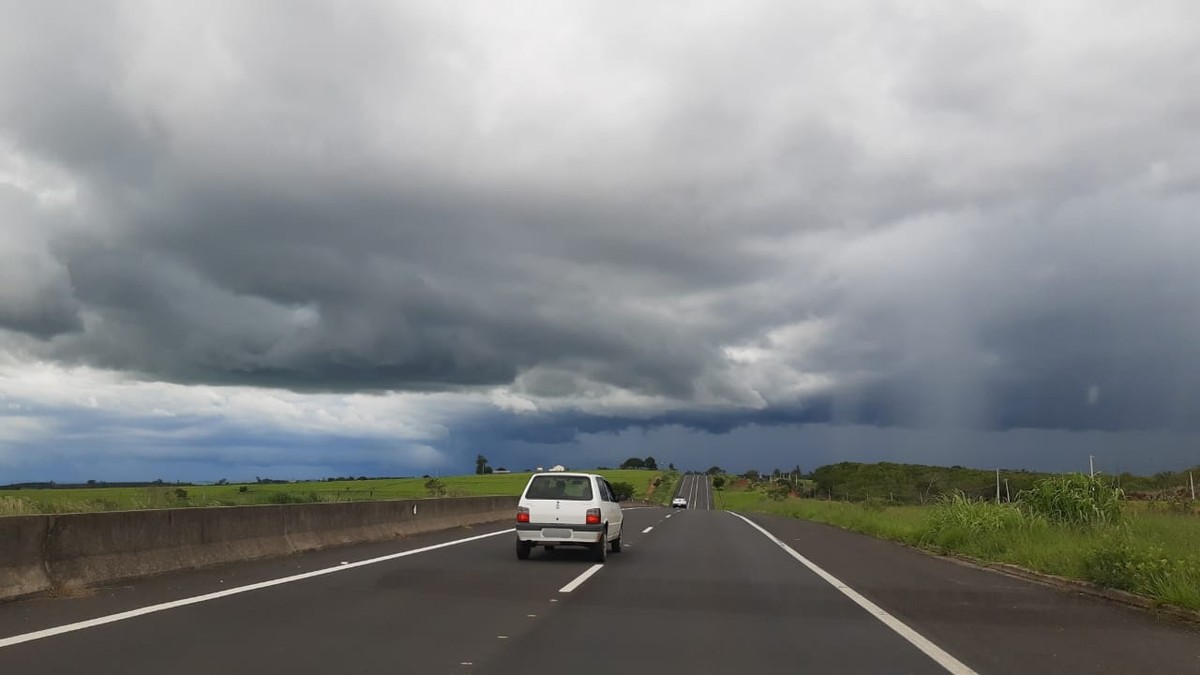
(47, 552)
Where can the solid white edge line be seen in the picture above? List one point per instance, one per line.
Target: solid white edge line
(151, 609)
(578, 581)
(919, 641)
(647, 530)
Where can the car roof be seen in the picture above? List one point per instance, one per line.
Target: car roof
(565, 473)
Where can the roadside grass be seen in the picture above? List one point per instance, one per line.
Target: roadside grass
(899, 523)
(1150, 552)
(90, 500)
(661, 495)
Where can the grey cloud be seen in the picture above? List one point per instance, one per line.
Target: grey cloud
(36, 297)
(390, 199)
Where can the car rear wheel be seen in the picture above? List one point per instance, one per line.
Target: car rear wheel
(523, 548)
(601, 550)
(615, 544)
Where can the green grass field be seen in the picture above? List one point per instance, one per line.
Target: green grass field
(1152, 552)
(86, 500)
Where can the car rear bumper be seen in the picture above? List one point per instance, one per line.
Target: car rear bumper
(557, 533)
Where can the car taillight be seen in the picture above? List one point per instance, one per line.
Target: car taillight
(522, 514)
(593, 517)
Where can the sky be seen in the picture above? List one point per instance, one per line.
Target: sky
(306, 239)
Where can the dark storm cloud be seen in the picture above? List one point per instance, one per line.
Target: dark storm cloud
(941, 221)
(35, 293)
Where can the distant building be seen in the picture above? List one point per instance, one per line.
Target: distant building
(558, 467)
(501, 471)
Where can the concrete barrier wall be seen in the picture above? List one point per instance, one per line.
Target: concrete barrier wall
(41, 553)
(21, 568)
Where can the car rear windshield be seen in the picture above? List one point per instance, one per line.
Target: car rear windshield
(560, 487)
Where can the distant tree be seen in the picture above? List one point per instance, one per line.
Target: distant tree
(487, 469)
(180, 494)
(714, 470)
(650, 463)
(776, 473)
(718, 482)
(481, 463)
(671, 466)
(222, 482)
(243, 488)
(92, 482)
(634, 463)
(751, 475)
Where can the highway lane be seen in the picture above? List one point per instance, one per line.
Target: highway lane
(697, 489)
(697, 591)
(709, 594)
(427, 613)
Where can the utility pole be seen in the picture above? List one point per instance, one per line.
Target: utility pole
(1193, 482)
(997, 486)
(1092, 466)
(1007, 492)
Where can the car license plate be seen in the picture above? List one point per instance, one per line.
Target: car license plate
(556, 533)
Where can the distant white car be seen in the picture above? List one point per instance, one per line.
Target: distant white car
(568, 509)
(679, 503)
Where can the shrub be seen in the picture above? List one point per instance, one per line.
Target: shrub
(780, 491)
(874, 503)
(1171, 503)
(622, 490)
(435, 487)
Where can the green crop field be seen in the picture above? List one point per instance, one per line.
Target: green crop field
(92, 499)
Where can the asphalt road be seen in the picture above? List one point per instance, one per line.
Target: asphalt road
(697, 489)
(696, 591)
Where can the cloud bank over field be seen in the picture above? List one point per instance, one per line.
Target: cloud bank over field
(389, 236)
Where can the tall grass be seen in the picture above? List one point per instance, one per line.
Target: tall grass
(1074, 499)
(20, 506)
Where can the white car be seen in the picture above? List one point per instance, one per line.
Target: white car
(679, 502)
(568, 509)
